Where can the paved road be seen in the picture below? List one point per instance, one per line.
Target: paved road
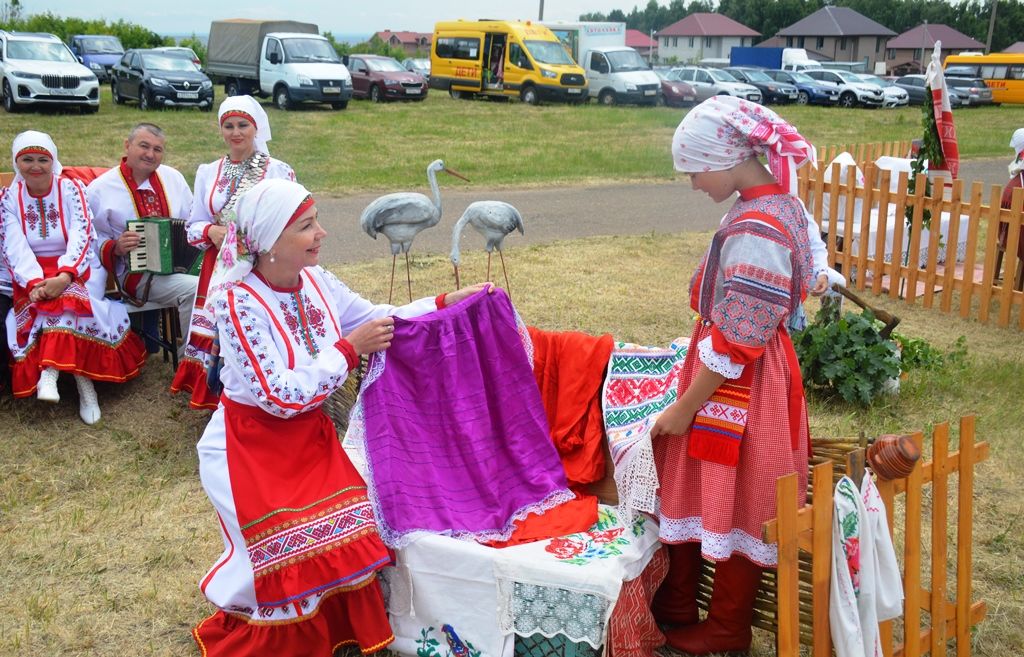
(556, 213)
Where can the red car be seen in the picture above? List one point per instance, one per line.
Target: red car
(675, 92)
(383, 78)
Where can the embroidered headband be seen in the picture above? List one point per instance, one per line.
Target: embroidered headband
(237, 113)
(306, 204)
(33, 150)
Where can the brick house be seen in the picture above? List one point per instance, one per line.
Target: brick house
(641, 43)
(910, 51)
(702, 36)
(838, 34)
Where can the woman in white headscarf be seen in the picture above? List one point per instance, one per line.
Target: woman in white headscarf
(60, 320)
(1016, 181)
(301, 550)
(739, 421)
(245, 129)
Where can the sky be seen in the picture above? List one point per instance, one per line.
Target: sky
(341, 17)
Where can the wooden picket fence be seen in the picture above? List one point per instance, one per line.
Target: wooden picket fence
(919, 270)
(804, 537)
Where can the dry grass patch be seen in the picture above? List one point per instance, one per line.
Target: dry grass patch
(105, 530)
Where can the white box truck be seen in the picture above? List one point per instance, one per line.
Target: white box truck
(615, 72)
(286, 60)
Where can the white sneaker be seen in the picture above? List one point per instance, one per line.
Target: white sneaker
(46, 388)
(88, 404)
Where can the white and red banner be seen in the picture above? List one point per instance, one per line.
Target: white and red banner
(946, 131)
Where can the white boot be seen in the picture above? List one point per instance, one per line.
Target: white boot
(88, 404)
(46, 388)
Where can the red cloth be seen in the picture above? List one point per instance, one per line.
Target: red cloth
(348, 616)
(84, 175)
(74, 299)
(191, 375)
(1004, 228)
(632, 631)
(569, 368)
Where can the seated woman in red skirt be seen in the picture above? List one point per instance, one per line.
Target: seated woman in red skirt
(60, 320)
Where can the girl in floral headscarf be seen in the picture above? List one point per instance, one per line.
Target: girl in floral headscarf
(245, 129)
(739, 421)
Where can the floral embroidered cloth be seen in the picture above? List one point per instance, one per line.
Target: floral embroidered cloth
(641, 383)
(564, 587)
(866, 583)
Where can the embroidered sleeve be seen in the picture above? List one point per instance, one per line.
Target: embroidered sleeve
(354, 310)
(81, 234)
(20, 258)
(278, 169)
(716, 362)
(200, 218)
(755, 269)
(280, 386)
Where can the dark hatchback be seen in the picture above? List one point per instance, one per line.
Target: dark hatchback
(383, 78)
(772, 91)
(155, 79)
(808, 90)
(675, 92)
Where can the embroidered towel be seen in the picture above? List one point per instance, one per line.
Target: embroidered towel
(456, 437)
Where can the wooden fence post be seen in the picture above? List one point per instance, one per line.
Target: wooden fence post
(912, 560)
(787, 573)
(964, 536)
(940, 515)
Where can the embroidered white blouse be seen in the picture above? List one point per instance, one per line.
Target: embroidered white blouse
(279, 344)
(213, 189)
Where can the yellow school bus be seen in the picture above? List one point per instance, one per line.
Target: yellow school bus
(503, 59)
(1002, 72)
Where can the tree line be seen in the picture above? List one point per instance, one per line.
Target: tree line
(769, 16)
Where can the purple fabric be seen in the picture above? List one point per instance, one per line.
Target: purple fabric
(456, 435)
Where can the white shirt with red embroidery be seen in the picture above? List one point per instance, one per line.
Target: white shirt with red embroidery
(279, 344)
(112, 204)
(212, 191)
(57, 224)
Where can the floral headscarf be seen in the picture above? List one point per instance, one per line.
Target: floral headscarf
(723, 131)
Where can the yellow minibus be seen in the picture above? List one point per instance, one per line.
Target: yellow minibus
(1002, 72)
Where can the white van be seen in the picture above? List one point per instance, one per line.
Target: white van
(615, 72)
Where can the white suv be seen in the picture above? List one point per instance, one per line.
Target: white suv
(852, 90)
(38, 69)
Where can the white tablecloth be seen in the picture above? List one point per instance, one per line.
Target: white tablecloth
(892, 224)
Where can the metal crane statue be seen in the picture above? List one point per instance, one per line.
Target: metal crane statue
(492, 219)
(400, 217)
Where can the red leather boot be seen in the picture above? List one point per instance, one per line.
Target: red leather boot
(727, 627)
(675, 603)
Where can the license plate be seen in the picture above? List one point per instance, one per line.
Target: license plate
(62, 92)
(412, 92)
(188, 95)
(332, 90)
(573, 91)
(650, 92)
(753, 97)
(689, 98)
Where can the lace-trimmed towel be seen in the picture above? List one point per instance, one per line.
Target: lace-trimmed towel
(641, 383)
(455, 434)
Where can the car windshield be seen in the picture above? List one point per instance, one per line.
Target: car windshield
(802, 77)
(101, 45)
(675, 75)
(46, 51)
(420, 63)
(626, 60)
(167, 63)
(758, 76)
(384, 65)
(309, 50)
(549, 52)
(721, 76)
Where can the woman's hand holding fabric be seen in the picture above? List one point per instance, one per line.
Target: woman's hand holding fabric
(674, 420)
(374, 335)
(466, 292)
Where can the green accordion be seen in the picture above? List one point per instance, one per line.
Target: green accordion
(154, 253)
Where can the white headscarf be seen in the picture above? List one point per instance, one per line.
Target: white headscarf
(34, 141)
(262, 213)
(248, 107)
(723, 131)
(1017, 144)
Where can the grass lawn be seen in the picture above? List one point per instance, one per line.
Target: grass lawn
(105, 530)
(368, 146)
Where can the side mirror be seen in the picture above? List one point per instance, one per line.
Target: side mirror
(274, 58)
(81, 60)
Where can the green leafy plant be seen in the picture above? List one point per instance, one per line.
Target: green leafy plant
(847, 355)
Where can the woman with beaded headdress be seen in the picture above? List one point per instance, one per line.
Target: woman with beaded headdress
(60, 321)
(245, 129)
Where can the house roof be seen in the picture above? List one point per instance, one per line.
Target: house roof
(780, 42)
(412, 38)
(1016, 48)
(836, 22)
(637, 39)
(704, 24)
(925, 36)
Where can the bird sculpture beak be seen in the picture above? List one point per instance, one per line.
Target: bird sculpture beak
(455, 173)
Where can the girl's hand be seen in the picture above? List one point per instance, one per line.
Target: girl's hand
(454, 297)
(374, 335)
(674, 421)
(820, 285)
